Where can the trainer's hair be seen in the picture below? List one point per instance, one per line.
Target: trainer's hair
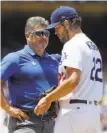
(75, 22)
(35, 22)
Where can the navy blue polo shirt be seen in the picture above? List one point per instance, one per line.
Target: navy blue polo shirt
(28, 75)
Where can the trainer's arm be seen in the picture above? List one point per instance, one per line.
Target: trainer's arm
(4, 103)
(67, 85)
(12, 111)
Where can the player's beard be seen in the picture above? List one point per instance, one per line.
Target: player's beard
(63, 38)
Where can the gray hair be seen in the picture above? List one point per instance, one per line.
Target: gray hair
(35, 22)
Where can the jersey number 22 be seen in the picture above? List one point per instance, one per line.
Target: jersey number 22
(96, 70)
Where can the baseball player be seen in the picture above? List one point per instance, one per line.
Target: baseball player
(80, 73)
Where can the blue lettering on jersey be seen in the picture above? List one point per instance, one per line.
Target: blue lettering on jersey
(91, 45)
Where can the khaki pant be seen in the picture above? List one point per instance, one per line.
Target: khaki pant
(33, 125)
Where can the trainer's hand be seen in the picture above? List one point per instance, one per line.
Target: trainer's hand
(17, 113)
(42, 107)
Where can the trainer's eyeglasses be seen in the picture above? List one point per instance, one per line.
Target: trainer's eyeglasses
(41, 33)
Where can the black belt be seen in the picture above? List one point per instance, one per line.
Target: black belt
(42, 117)
(82, 101)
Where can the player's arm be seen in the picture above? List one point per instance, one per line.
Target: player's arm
(67, 85)
(63, 89)
(73, 69)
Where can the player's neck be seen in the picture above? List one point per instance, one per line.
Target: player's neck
(74, 32)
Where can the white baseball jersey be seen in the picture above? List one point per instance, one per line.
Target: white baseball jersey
(81, 53)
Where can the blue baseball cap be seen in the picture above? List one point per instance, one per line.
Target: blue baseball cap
(60, 14)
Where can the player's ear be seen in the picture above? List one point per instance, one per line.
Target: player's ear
(66, 24)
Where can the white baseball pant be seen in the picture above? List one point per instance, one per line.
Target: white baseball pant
(77, 118)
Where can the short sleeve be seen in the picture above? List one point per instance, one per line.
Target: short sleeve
(9, 65)
(72, 56)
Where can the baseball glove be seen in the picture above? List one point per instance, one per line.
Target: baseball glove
(54, 106)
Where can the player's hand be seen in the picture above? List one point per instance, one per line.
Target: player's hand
(42, 107)
(17, 113)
